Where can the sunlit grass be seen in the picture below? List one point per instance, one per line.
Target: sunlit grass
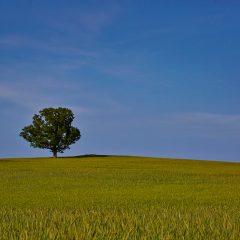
(119, 198)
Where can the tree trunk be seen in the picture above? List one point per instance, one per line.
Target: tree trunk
(55, 154)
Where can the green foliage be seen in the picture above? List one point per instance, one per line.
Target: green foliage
(52, 130)
(119, 198)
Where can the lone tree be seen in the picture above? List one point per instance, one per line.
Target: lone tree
(51, 129)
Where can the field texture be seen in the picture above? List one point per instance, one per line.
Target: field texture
(119, 198)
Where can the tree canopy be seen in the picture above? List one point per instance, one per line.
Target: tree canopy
(52, 129)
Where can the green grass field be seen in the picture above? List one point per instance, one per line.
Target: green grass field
(119, 198)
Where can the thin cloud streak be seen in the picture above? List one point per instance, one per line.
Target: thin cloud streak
(50, 94)
(190, 121)
(203, 119)
(88, 22)
(212, 118)
(17, 41)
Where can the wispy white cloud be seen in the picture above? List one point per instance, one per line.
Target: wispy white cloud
(27, 96)
(190, 120)
(96, 21)
(123, 71)
(52, 46)
(211, 118)
(202, 119)
(54, 93)
(83, 21)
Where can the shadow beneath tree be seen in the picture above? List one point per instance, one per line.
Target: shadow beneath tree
(90, 156)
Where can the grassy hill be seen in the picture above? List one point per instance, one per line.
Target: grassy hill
(114, 197)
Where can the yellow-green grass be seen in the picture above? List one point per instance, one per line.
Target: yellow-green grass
(112, 197)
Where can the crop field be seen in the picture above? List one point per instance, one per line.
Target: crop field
(110, 197)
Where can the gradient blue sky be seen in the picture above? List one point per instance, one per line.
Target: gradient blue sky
(153, 78)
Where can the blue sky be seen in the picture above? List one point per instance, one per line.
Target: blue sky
(153, 78)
